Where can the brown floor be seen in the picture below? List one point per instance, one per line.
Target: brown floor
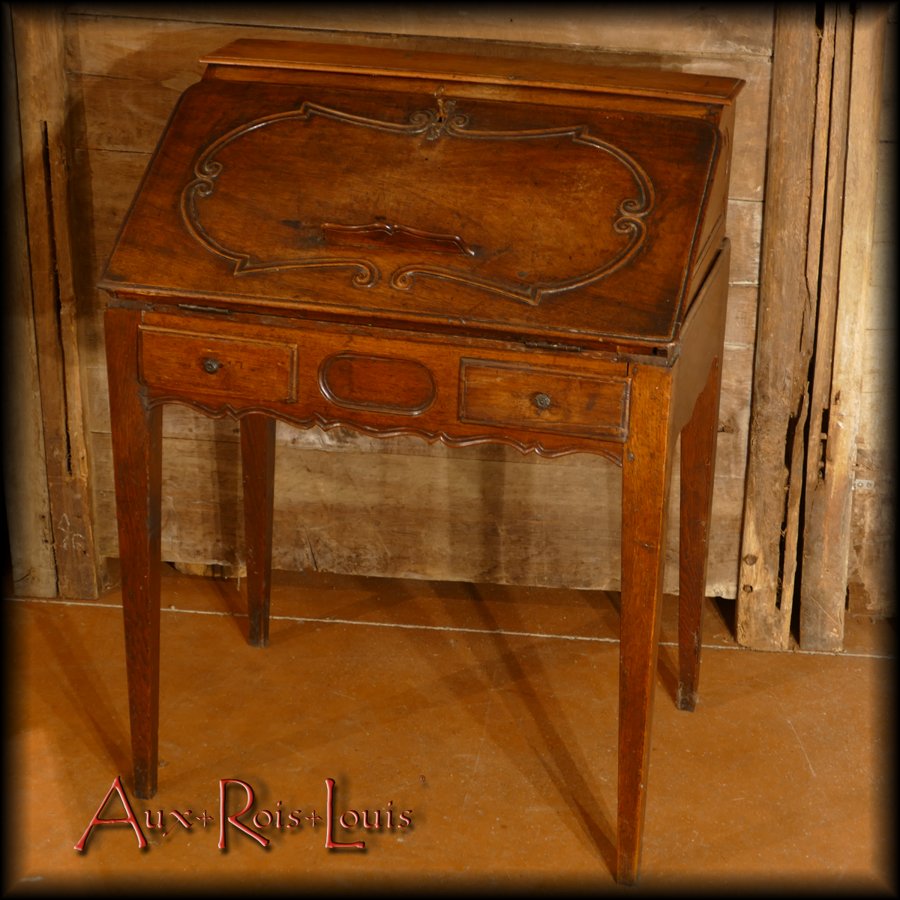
(485, 716)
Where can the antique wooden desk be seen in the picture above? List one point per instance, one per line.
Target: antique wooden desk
(461, 248)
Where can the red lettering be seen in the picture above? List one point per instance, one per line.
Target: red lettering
(235, 819)
(331, 844)
(256, 819)
(182, 819)
(149, 823)
(370, 825)
(130, 818)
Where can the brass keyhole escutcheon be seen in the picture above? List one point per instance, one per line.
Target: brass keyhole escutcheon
(542, 400)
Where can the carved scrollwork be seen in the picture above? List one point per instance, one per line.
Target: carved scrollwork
(445, 122)
(316, 420)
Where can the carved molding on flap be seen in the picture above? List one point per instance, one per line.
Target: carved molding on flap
(396, 237)
(383, 233)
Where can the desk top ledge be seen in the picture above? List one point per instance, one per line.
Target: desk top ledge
(476, 68)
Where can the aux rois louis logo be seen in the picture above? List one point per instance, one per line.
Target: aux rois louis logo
(237, 810)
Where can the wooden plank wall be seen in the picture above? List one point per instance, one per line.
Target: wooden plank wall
(774, 485)
(828, 540)
(25, 493)
(871, 579)
(814, 524)
(399, 507)
(348, 503)
(57, 469)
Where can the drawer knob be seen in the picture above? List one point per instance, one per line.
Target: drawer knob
(211, 365)
(542, 400)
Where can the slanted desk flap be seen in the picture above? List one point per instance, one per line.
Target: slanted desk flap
(434, 195)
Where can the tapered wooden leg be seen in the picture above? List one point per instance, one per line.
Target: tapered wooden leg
(698, 459)
(137, 464)
(258, 475)
(646, 468)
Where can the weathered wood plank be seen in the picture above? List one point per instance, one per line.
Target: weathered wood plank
(774, 474)
(888, 119)
(714, 29)
(24, 475)
(37, 33)
(120, 63)
(872, 562)
(871, 579)
(886, 196)
(829, 512)
(831, 162)
(461, 516)
(740, 323)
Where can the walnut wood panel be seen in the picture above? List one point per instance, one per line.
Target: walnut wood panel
(376, 223)
(129, 61)
(333, 376)
(620, 351)
(499, 267)
(544, 399)
(145, 81)
(379, 383)
(231, 368)
(117, 175)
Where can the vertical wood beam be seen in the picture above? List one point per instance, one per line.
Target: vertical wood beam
(646, 479)
(830, 486)
(24, 474)
(258, 477)
(137, 451)
(833, 109)
(784, 345)
(40, 57)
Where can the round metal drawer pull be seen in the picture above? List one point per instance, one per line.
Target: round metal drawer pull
(542, 400)
(211, 365)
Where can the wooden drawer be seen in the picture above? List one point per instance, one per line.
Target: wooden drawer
(240, 368)
(546, 399)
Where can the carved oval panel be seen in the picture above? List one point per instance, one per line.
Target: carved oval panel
(377, 383)
(422, 194)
